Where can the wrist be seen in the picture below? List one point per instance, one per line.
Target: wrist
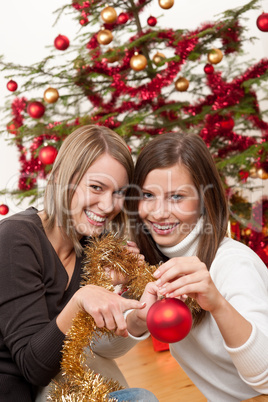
(136, 326)
(65, 318)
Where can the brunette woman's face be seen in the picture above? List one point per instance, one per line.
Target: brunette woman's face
(99, 197)
(170, 206)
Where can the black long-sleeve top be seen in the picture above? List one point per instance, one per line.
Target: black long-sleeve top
(32, 294)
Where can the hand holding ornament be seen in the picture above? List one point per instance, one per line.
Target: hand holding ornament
(189, 276)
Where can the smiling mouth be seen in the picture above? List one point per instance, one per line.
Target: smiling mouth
(95, 218)
(164, 228)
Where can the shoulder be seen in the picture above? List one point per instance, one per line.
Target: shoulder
(230, 248)
(235, 259)
(23, 224)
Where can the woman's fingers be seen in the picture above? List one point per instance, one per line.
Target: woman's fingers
(107, 308)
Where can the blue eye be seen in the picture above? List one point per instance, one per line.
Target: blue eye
(147, 196)
(176, 197)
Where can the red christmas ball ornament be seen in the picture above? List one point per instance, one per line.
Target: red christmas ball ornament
(209, 69)
(12, 85)
(227, 124)
(122, 18)
(36, 109)
(12, 127)
(61, 42)
(3, 209)
(83, 21)
(151, 21)
(169, 320)
(47, 154)
(262, 22)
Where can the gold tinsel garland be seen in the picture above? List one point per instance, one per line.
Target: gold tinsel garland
(79, 383)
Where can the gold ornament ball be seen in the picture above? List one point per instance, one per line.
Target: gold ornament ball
(262, 174)
(166, 4)
(253, 172)
(138, 62)
(215, 56)
(109, 15)
(158, 58)
(113, 58)
(79, 63)
(265, 231)
(51, 95)
(104, 37)
(182, 84)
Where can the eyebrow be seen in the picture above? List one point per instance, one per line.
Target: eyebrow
(105, 185)
(97, 181)
(175, 191)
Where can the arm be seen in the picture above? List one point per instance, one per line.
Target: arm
(235, 293)
(27, 327)
(34, 313)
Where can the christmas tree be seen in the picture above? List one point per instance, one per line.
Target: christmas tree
(143, 80)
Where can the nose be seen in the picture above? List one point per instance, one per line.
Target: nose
(160, 209)
(106, 202)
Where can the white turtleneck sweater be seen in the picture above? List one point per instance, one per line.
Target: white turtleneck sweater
(221, 373)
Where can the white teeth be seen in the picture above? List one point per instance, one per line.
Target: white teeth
(94, 217)
(166, 227)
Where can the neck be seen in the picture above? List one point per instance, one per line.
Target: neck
(188, 246)
(59, 240)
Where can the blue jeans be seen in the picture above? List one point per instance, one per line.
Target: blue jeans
(133, 395)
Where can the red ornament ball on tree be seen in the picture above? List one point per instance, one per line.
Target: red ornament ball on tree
(122, 18)
(61, 42)
(36, 109)
(227, 124)
(169, 320)
(262, 22)
(83, 21)
(47, 154)
(12, 85)
(12, 127)
(3, 209)
(151, 21)
(209, 69)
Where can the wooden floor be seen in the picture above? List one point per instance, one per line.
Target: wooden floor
(158, 372)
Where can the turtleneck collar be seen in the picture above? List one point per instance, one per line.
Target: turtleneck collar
(188, 246)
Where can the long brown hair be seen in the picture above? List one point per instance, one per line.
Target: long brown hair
(191, 151)
(77, 153)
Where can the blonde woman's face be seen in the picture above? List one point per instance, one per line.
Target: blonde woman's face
(99, 196)
(170, 206)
